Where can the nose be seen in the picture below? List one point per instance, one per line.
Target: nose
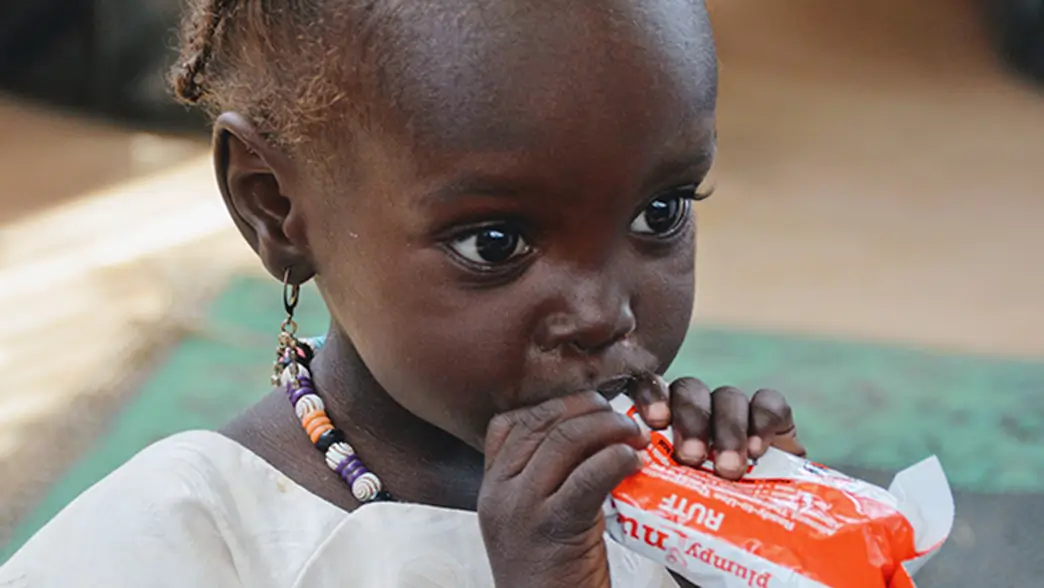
(596, 314)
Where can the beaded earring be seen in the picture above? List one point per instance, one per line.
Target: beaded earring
(291, 372)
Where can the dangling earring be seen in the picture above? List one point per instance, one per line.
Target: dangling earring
(293, 358)
(289, 351)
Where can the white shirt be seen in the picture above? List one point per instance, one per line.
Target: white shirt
(198, 509)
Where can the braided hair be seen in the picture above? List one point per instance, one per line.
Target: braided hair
(285, 64)
(292, 66)
(201, 25)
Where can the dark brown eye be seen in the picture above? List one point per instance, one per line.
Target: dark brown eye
(664, 215)
(493, 245)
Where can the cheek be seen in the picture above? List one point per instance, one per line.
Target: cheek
(665, 312)
(446, 354)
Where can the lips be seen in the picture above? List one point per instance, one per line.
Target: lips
(553, 376)
(613, 387)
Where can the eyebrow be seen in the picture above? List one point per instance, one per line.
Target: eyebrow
(674, 168)
(473, 183)
(478, 183)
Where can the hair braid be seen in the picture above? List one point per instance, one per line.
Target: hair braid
(198, 39)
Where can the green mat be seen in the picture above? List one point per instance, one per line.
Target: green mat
(856, 404)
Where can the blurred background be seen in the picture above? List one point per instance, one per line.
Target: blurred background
(873, 249)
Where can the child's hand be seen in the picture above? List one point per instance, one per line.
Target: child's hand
(721, 423)
(548, 470)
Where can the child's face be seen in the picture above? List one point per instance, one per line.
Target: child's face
(518, 230)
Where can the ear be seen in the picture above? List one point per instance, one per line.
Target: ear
(255, 177)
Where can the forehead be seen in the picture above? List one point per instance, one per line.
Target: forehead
(505, 75)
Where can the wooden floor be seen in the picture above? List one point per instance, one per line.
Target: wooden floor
(879, 178)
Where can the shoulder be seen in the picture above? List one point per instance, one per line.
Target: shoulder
(192, 509)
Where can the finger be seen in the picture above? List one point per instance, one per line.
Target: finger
(513, 437)
(729, 431)
(791, 444)
(649, 393)
(691, 420)
(496, 437)
(572, 441)
(772, 424)
(581, 496)
(788, 441)
(768, 413)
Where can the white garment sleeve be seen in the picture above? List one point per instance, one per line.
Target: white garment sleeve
(154, 522)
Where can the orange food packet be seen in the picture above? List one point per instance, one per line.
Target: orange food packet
(789, 523)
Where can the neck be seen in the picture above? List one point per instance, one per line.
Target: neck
(416, 461)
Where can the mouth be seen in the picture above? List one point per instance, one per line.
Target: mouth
(614, 387)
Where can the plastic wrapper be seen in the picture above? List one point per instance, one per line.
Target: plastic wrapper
(789, 523)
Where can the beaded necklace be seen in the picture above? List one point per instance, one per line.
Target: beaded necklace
(291, 372)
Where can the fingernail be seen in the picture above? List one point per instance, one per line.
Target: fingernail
(659, 412)
(729, 461)
(692, 451)
(755, 445)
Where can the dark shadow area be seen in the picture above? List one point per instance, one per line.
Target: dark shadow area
(106, 58)
(1019, 30)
